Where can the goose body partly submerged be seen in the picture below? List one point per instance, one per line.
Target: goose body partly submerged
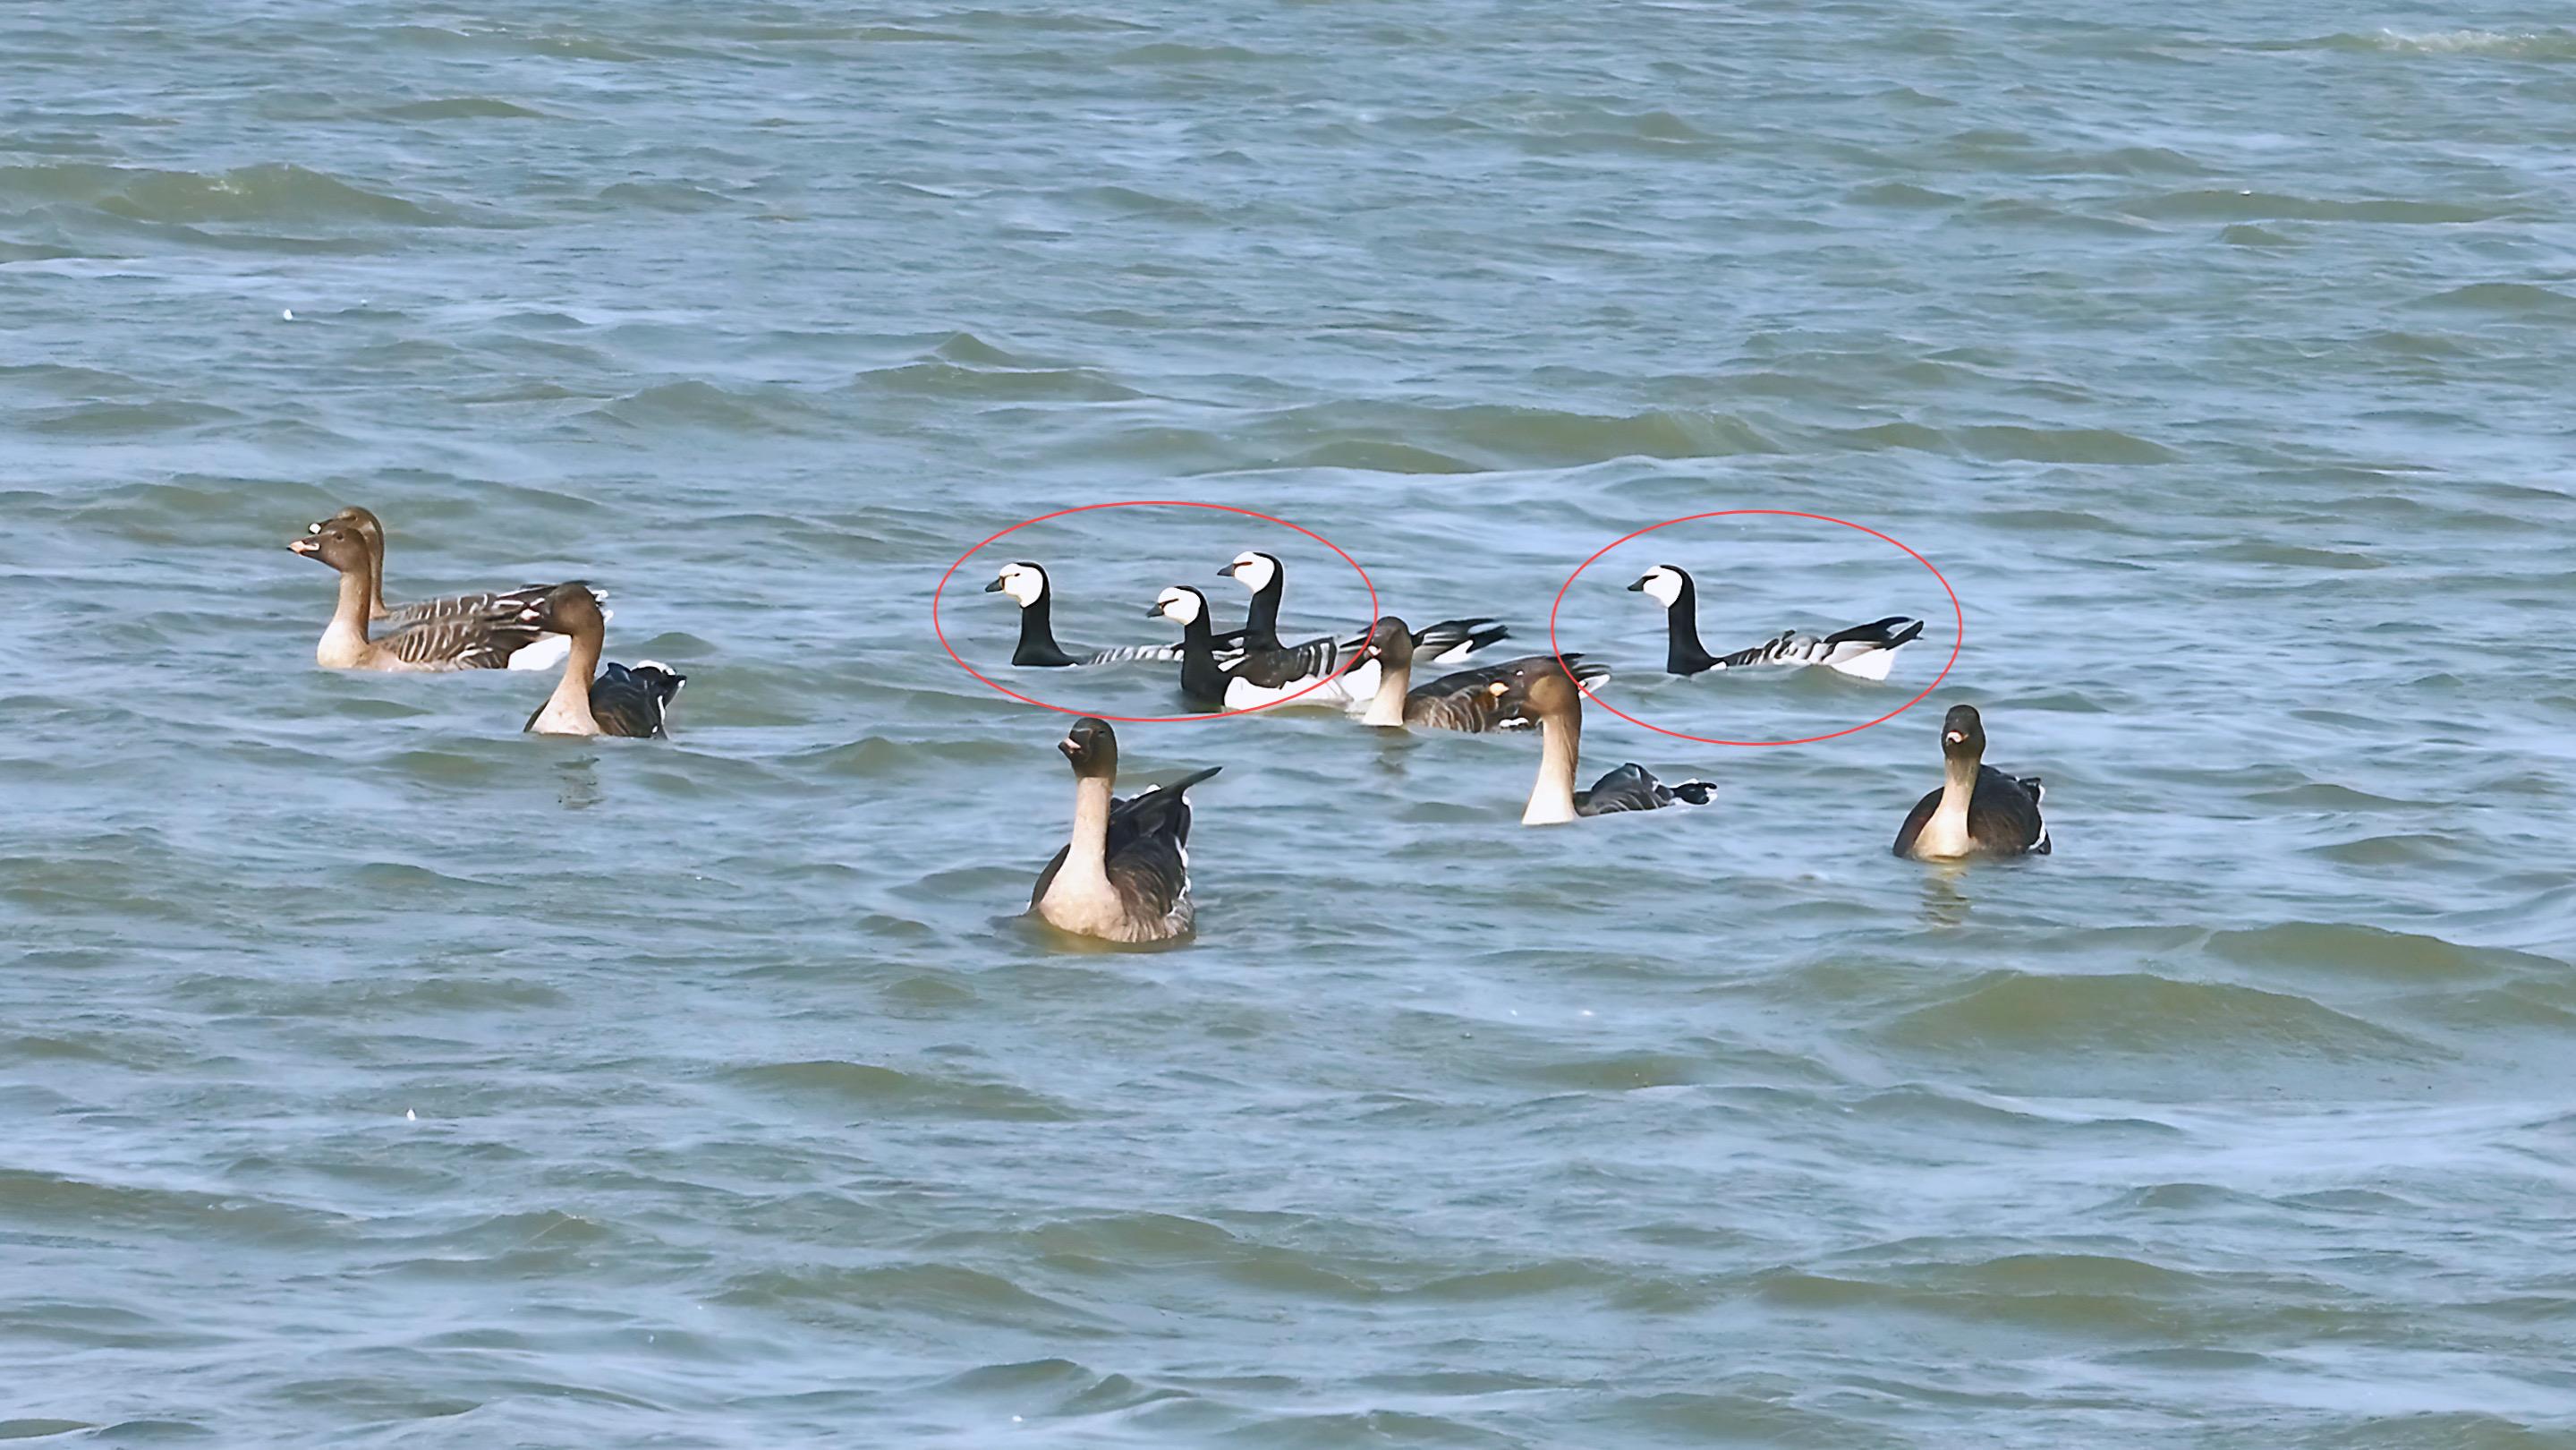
(1446, 642)
(1125, 874)
(591, 698)
(1553, 799)
(1978, 811)
(1029, 587)
(1249, 678)
(542, 653)
(1464, 700)
(483, 638)
(1864, 651)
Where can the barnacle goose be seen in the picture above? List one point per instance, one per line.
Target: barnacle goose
(1446, 642)
(1029, 587)
(1979, 810)
(1864, 650)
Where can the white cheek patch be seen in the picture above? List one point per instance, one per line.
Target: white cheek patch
(1179, 605)
(1664, 587)
(1023, 585)
(1254, 572)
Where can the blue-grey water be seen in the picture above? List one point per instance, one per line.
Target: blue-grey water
(371, 1074)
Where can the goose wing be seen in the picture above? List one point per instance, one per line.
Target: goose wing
(1148, 848)
(404, 616)
(463, 641)
(1126, 653)
(1632, 787)
(2003, 815)
(625, 702)
(1464, 700)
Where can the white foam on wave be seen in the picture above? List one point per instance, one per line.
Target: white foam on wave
(2467, 41)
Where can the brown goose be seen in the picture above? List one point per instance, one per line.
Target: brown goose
(1559, 708)
(1125, 875)
(465, 640)
(544, 654)
(1463, 700)
(1979, 810)
(591, 699)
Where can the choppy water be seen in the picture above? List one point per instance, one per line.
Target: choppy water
(374, 1075)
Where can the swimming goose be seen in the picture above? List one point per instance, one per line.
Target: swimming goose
(466, 640)
(544, 654)
(1979, 810)
(1446, 642)
(1027, 585)
(617, 701)
(1125, 875)
(1460, 701)
(1864, 651)
(1559, 708)
(1252, 677)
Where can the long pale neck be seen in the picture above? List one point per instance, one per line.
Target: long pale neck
(1958, 785)
(570, 703)
(1394, 682)
(376, 580)
(1086, 860)
(344, 639)
(1552, 798)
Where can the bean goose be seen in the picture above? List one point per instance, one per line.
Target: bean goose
(592, 699)
(545, 653)
(1978, 810)
(1553, 799)
(482, 639)
(1463, 700)
(1125, 874)
(1864, 651)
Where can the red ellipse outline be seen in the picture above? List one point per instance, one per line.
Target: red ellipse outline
(1128, 503)
(1956, 641)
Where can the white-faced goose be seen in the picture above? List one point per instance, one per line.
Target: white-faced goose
(1252, 677)
(1125, 875)
(1446, 642)
(1028, 586)
(592, 699)
(1864, 651)
(1463, 700)
(544, 653)
(1559, 708)
(482, 639)
(1979, 810)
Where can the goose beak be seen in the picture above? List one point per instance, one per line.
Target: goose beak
(303, 546)
(1228, 571)
(1954, 737)
(1499, 688)
(1637, 588)
(993, 588)
(1152, 610)
(1069, 746)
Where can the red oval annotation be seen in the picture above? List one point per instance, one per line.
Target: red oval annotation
(1956, 640)
(1181, 503)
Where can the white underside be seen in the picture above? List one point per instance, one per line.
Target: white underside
(1351, 690)
(1861, 661)
(547, 653)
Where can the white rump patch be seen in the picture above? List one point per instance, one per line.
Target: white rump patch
(1871, 663)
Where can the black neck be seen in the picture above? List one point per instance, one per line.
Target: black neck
(1683, 653)
(1037, 636)
(1202, 683)
(1261, 621)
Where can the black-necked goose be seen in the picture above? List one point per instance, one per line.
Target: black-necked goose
(1864, 651)
(1252, 677)
(1559, 708)
(467, 640)
(592, 699)
(1125, 875)
(1028, 586)
(544, 653)
(1446, 642)
(1979, 810)
(1463, 700)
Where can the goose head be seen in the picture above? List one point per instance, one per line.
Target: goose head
(1663, 583)
(1092, 747)
(1390, 641)
(566, 609)
(336, 542)
(1963, 735)
(1550, 695)
(1180, 604)
(1025, 582)
(1253, 570)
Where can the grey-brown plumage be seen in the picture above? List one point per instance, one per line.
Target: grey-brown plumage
(1978, 811)
(1553, 798)
(591, 699)
(547, 650)
(1462, 700)
(482, 639)
(1125, 874)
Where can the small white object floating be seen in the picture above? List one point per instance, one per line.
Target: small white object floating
(410, 1117)
(288, 314)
